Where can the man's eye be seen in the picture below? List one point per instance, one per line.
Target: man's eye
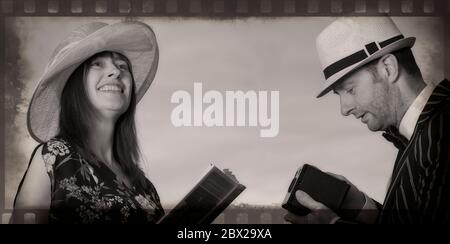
(351, 91)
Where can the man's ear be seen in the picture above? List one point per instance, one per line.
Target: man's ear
(389, 67)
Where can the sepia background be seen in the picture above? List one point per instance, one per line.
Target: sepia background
(270, 54)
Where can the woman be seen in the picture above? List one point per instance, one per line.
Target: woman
(86, 168)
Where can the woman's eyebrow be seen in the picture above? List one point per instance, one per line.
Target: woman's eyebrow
(98, 59)
(120, 59)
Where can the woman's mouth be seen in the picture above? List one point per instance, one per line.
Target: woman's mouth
(111, 88)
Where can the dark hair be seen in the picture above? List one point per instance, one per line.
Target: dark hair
(405, 59)
(77, 113)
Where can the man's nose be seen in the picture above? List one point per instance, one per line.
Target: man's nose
(346, 107)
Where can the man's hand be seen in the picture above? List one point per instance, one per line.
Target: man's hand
(355, 206)
(355, 199)
(320, 214)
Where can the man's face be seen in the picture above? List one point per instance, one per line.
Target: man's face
(367, 96)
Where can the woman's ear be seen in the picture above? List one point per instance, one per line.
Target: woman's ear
(389, 67)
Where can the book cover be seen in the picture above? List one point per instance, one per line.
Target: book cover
(213, 193)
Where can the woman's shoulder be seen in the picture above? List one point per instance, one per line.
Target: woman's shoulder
(57, 146)
(56, 150)
(62, 159)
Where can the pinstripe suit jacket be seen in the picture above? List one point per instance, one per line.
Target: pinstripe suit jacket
(419, 191)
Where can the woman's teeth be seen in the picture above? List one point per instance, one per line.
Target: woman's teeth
(112, 88)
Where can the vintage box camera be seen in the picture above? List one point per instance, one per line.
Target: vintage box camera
(321, 186)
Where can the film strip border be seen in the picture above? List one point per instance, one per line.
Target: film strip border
(224, 8)
(206, 9)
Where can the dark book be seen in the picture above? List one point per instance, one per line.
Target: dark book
(208, 198)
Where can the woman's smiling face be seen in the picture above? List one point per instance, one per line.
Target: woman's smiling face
(108, 83)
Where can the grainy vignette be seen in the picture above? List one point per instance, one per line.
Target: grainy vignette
(206, 9)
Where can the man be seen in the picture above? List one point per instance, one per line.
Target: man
(369, 64)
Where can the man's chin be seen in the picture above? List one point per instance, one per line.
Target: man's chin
(374, 127)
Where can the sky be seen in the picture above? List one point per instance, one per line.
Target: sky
(253, 54)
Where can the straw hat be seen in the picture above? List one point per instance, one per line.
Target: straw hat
(135, 40)
(351, 42)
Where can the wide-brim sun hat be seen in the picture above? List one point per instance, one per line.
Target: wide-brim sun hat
(349, 43)
(134, 40)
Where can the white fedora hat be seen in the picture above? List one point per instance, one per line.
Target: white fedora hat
(351, 42)
(134, 40)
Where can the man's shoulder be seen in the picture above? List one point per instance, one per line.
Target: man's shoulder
(439, 102)
(446, 106)
(437, 124)
(443, 110)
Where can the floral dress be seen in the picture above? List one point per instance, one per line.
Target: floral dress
(87, 192)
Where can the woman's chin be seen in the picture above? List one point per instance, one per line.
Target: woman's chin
(112, 111)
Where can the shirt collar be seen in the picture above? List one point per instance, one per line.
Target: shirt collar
(409, 120)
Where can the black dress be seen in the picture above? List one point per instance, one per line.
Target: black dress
(89, 192)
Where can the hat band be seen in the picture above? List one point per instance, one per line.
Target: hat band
(359, 56)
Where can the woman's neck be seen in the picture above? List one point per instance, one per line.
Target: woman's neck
(101, 138)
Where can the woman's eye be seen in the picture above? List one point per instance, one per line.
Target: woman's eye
(96, 64)
(123, 66)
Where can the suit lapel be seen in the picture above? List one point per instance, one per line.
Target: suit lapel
(440, 93)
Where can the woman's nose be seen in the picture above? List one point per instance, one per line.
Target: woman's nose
(114, 72)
